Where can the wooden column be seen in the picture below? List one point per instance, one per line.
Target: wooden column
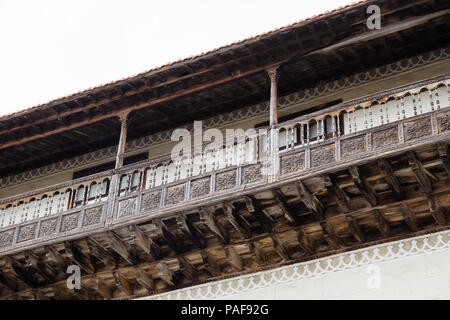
(273, 75)
(123, 139)
(273, 161)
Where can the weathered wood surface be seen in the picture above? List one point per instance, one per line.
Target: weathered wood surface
(242, 234)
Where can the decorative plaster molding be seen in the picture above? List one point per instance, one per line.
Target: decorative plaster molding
(238, 115)
(345, 261)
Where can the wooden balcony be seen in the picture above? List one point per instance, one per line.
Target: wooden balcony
(334, 177)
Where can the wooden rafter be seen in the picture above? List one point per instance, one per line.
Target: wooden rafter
(236, 220)
(389, 176)
(191, 231)
(146, 243)
(409, 217)
(342, 199)
(211, 222)
(310, 201)
(419, 172)
(363, 186)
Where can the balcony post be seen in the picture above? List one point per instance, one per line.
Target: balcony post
(123, 139)
(273, 75)
(115, 179)
(273, 105)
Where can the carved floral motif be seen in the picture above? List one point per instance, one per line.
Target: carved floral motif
(70, 222)
(251, 173)
(48, 227)
(444, 122)
(352, 147)
(151, 200)
(292, 163)
(127, 207)
(27, 232)
(6, 237)
(226, 180)
(417, 129)
(200, 187)
(175, 194)
(322, 155)
(384, 138)
(92, 216)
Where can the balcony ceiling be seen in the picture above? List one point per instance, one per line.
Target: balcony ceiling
(314, 51)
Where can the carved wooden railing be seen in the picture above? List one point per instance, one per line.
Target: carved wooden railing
(55, 210)
(353, 131)
(215, 168)
(366, 113)
(356, 128)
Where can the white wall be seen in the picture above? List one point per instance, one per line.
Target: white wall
(418, 277)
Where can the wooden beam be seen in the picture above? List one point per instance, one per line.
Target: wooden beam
(280, 248)
(382, 224)
(16, 297)
(273, 104)
(363, 186)
(210, 220)
(374, 34)
(409, 217)
(330, 236)
(310, 201)
(437, 211)
(144, 279)
(236, 220)
(83, 293)
(8, 282)
(122, 140)
(121, 247)
(389, 176)
(257, 213)
(419, 172)
(40, 267)
(122, 283)
(38, 295)
(102, 254)
(164, 98)
(168, 236)
(187, 269)
(210, 263)
(445, 157)
(146, 243)
(258, 252)
(61, 294)
(342, 199)
(191, 231)
(280, 200)
(305, 243)
(165, 273)
(78, 258)
(234, 258)
(355, 229)
(102, 288)
(19, 271)
(53, 255)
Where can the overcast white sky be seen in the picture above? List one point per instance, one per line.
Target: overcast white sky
(49, 49)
